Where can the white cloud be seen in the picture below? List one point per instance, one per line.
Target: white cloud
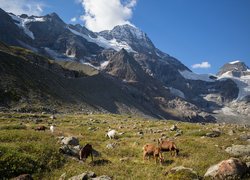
(30, 7)
(73, 19)
(201, 65)
(102, 15)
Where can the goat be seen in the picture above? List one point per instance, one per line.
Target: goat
(40, 128)
(167, 145)
(112, 134)
(85, 152)
(152, 150)
(52, 128)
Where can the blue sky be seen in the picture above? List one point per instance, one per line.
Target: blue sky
(193, 31)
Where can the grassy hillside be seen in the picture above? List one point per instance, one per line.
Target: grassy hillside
(24, 150)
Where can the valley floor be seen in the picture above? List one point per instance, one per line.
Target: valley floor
(24, 150)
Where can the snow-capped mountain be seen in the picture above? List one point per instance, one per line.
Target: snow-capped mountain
(152, 77)
(239, 72)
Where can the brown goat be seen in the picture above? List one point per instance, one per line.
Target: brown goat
(152, 150)
(167, 145)
(40, 128)
(85, 152)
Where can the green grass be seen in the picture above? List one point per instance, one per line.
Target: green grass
(24, 150)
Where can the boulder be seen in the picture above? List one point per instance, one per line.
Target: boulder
(232, 168)
(70, 141)
(213, 134)
(245, 137)
(239, 150)
(84, 176)
(69, 150)
(182, 172)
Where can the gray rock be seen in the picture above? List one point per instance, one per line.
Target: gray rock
(70, 141)
(213, 134)
(244, 137)
(173, 128)
(228, 169)
(239, 150)
(177, 134)
(68, 150)
(84, 176)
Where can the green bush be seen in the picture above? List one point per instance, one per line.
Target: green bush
(27, 155)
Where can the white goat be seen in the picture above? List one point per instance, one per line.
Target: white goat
(112, 134)
(52, 128)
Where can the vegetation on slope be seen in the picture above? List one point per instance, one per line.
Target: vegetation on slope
(24, 150)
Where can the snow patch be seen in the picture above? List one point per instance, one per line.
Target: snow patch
(242, 82)
(86, 63)
(22, 23)
(234, 62)
(102, 42)
(192, 76)
(104, 64)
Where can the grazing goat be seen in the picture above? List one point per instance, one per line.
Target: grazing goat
(40, 128)
(112, 134)
(52, 128)
(85, 152)
(152, 150)
(167, 145)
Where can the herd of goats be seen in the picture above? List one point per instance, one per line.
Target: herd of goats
(148, 149)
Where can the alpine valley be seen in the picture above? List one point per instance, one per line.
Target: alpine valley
(47, 65)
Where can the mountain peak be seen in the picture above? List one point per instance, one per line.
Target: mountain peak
(235, 67)
(124, 66)
(54, 17)
(133, 36)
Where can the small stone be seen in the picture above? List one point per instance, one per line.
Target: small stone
(173, 128)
